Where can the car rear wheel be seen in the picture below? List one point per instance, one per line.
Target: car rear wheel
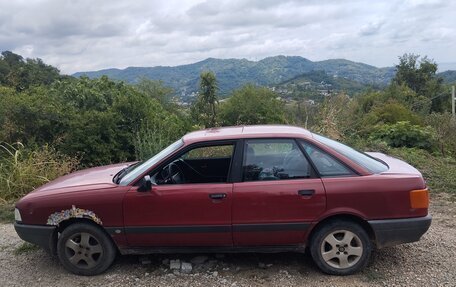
(85, 249)
(340, 248)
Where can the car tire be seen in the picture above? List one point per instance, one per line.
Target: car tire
(85, 249)
(340, 247)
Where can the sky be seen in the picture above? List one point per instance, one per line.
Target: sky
(84, 35)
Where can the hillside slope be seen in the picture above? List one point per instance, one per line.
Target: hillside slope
(448, 76)
(233, 73)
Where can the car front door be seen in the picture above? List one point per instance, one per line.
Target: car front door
(279, 196)
(189, 206)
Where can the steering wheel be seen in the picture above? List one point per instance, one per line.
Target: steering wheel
(172, 174)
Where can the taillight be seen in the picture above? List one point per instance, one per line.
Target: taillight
(419, 198)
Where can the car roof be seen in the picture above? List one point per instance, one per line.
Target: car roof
(254, 131)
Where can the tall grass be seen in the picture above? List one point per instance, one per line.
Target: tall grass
(22, 170)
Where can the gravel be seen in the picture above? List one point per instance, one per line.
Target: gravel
(429, 262)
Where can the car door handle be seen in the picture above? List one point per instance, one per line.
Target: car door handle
(306, 192)
(217, 195)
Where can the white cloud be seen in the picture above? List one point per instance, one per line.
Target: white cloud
(91, 34)
(371, 28)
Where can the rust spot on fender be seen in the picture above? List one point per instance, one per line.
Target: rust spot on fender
(59, 216)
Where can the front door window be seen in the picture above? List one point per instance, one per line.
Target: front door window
(205, 164)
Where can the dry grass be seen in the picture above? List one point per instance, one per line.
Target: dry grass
(22, 170)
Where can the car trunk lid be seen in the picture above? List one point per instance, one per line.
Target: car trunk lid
(396, 166)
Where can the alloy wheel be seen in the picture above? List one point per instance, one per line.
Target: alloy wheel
(341, 249)
(83, 250)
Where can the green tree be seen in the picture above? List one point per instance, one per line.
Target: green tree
(39, 73)
(107, 117)
(403, 94)
(96, 120)
(32, 117)
(252, 105)
(21, 74)
(420, 75)
(155, 89)
(204, 109)
(395, 103)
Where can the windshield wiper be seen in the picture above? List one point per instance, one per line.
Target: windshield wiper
(118, 177)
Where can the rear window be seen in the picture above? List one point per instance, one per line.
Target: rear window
(371, 164)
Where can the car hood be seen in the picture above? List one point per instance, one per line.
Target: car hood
(98, 177)
(396, 166)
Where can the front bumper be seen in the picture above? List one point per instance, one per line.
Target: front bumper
(41, 235)
(391, 232)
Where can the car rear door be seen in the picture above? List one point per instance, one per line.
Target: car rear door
(279, 196)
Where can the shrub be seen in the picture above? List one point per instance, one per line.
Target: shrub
(444, 126)
(393, 112)
(251, 105)
(23, 170)
(404, 134)
(95, 120)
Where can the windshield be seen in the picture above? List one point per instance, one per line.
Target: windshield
(140, 169)
(364, 160)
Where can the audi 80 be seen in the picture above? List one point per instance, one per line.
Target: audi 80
(232, 189)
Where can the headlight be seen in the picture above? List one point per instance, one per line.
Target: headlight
(17, 215)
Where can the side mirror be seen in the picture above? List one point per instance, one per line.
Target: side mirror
(146, 184)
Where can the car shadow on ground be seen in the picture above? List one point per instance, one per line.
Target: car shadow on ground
(237, 263)
(245, 265)
(243, 261)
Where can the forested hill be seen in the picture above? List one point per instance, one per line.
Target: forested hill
(233, 73)
(448, 76)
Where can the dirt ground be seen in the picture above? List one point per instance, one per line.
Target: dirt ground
(429, 262)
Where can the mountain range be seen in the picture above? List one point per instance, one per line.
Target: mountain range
(448, 76)
(233, 73)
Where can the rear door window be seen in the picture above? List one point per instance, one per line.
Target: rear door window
(274, 159)
(325, 163)
(364, 160)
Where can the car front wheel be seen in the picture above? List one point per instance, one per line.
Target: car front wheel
(85, 249)
(340, 248)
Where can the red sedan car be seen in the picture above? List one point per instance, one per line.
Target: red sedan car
(234, 189)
